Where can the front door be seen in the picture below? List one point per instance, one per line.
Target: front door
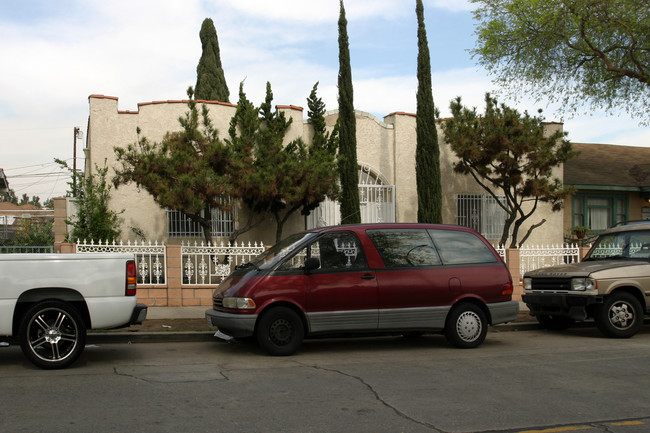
(342, 293)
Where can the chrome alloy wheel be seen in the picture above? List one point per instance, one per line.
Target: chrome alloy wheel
(52, 335)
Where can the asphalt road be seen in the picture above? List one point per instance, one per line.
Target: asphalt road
(517, 381)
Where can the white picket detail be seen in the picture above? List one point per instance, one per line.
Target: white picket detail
(150, 258)
(208, 264)
(542, 256)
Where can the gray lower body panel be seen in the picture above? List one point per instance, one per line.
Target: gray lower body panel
(502, 312)
(234, 325)
(340, 321)
(422, 318)
(413, 318)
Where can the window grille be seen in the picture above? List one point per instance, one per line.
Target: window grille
(180, 225)
(482, 213)
(376, 200)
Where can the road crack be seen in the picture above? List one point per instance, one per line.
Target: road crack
(378, 397)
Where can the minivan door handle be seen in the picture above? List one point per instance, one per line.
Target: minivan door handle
(368, 277)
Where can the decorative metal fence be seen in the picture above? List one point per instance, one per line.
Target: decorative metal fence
(501, 251)
(208, 265)
(151, 259)
(535, 257)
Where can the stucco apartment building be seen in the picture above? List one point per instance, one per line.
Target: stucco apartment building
(386, 157)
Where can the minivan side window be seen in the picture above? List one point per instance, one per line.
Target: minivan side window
(336, 251)
(457, 247)
(405, 247)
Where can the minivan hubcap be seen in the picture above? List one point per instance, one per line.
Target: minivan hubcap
(468, 326)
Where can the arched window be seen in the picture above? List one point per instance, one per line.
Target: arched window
(376, 198)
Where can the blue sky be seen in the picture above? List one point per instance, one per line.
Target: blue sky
(57, 53)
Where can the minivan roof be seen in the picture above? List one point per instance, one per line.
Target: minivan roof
(371, 226)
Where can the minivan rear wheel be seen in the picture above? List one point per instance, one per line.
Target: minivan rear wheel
(280, 331)
(466, 326)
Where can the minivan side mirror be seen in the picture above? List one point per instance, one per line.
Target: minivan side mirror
(311, 263)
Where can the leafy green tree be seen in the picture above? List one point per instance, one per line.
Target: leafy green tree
(509, 153)
(94, 219)
(271, 178)
(427, 156)
(348, 166)
(186, 171)
(210, 80)
(311, 169)
(34, 232)
(570, 51)
(11, 197)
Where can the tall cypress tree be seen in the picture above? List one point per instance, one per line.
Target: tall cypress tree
(348, 169)
(427, 154)
(210, 80)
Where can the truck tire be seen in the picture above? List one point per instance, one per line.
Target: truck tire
(620, 316)
(555, 323)
(52, 334)
(280, 331)
(466, 326)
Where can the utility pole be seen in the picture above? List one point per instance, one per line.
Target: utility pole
(77, 134)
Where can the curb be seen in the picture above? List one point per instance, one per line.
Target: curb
(149, 337)
(197, 336)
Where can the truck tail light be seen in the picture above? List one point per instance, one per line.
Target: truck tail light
(131, 278)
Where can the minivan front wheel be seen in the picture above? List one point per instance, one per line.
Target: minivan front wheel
(280, 331)
(466, 326)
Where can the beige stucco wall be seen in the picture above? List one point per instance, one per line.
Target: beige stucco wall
(387, 146)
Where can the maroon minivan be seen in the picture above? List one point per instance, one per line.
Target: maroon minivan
(367, 278)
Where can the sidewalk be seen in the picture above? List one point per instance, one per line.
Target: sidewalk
(156, 313)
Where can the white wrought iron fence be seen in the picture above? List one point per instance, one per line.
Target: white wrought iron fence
(540, 256)
(151, 259)
(501, 251)
(206, 265)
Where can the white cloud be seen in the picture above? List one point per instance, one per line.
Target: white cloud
(146, 50)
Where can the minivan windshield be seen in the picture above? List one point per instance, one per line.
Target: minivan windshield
(277, 252)
(633, 244)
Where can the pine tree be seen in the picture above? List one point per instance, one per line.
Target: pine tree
(427, 155)
(509, 153)
(186, 171)
(348, 168)
(210, 80)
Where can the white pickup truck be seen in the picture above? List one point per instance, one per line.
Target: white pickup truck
(48, 301)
